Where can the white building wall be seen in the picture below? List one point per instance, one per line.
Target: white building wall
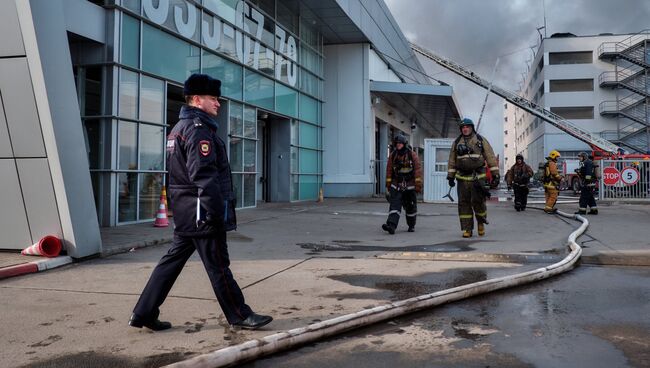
(379, 71)
(553, 138)
(348, 134)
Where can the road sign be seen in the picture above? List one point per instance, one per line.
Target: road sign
(611, 175)
(630, 175)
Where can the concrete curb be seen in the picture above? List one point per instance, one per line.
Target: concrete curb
(474, 257)
(36, 266)
(618, 258)
(127, 247)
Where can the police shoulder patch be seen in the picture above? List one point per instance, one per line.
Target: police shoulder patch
(204, 147)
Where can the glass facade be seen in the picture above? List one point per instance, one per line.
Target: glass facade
(269, 61)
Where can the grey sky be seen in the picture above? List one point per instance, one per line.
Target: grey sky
(474, 33)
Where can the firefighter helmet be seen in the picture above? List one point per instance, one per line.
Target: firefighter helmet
(466, 121)
(554, 154)
(400, 139)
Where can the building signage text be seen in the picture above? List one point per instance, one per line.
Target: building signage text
(214, 31)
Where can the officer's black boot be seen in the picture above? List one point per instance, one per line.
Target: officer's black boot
(411, 229)
(155, 325)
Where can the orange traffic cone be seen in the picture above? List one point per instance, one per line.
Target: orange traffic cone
(48, 246)
(161, 216)
(164, 194)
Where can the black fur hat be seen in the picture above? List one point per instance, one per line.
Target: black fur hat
(202, 84)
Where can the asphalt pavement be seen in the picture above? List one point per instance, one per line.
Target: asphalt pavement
(300, 262)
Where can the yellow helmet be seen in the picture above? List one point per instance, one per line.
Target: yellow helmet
(554, 154)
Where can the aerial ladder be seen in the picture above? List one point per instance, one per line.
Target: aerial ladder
(600, 146)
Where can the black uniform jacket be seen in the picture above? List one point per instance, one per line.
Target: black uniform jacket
(200, 181)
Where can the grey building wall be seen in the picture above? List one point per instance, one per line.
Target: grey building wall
(44, 172)
(27, 197)
(348, 135)
(374, 20)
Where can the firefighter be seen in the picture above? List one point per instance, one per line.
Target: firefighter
(517, 178)
(403, 181)
(467, 158)
(587, 175)
(551, 180)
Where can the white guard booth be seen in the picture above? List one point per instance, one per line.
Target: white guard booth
(436, 155)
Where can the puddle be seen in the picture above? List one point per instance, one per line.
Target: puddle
(101, 360)
(234, 236)
(404, 287)
(452, 246)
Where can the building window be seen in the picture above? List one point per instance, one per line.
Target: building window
(225, 8)
(575, 57)
(128, 100)
(151, 99)
(306, 161)
(576, 112)
(151, 147)
(286, 100)
(130, 41)
(259, 90)
(168, 56)
(243, 151)
(229, 73)
(571, 85)
(309, 109)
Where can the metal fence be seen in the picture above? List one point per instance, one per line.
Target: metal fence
(624, 179)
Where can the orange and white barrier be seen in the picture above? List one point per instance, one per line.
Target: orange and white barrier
(161, 216)
(48, 246)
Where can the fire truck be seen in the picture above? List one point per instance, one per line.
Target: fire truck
(600, 147)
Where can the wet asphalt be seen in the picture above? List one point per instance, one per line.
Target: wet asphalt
(590, 317)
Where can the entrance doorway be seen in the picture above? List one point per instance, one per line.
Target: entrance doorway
(175, 101)
(273, 157)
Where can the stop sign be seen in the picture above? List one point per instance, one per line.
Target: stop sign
(611, 175)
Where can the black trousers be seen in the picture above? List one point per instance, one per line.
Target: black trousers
(587, 198)
(521, 196)
(398, 199)
(214, 254)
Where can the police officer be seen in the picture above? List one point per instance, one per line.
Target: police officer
(518, 178)
(200, 186)
(403, 181)
(551, 180)
(467, 158)
(587, 175)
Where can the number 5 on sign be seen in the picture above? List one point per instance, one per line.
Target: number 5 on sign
(630, 175)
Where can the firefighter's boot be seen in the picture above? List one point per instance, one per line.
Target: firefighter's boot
(593, 212)
(389, 228)
(467, 233)
(481, 229)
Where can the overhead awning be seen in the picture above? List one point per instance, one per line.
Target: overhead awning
(432, 107)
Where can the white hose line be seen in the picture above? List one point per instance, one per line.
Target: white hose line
(299, 336)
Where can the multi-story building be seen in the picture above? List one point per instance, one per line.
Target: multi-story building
(313, 90)
(599, 83)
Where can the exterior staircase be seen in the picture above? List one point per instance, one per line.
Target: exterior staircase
(631, 57)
